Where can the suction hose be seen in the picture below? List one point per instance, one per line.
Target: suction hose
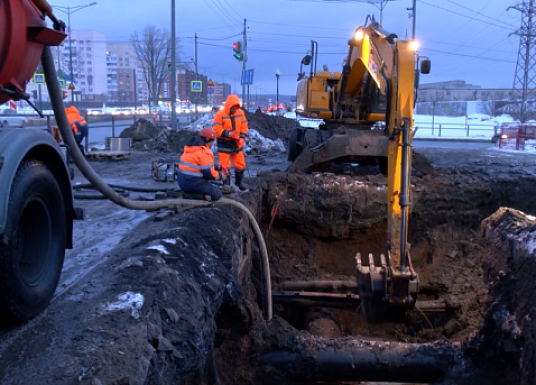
(66, 133)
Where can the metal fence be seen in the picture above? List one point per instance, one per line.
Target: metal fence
(443, 129)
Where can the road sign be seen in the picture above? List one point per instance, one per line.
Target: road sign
(210, 83)
(169, 67)
(71, 87)
(13, 105)
(61, 82)
(247, 78)
(39, 78)
(210, 90)
(196, 86)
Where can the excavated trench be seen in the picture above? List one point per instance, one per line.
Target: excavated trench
(314, 225)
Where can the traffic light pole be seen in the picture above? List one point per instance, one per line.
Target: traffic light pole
(245, 50)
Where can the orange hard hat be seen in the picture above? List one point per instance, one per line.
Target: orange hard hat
(208, 133)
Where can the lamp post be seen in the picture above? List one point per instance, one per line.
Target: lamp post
(68, 11)
(277, 75)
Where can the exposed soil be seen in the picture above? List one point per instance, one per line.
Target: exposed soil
(195, 300)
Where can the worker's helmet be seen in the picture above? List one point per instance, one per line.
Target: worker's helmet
(208, 133)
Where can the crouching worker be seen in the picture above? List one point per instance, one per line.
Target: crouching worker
(197, 169)
(78, 125)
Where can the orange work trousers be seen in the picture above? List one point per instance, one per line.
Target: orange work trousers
(239, 160)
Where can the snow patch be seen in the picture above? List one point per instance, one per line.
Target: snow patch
(159, 248)
(127, 301)
(171, 241)
(256, 140)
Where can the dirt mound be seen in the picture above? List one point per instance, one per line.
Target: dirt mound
(148, 137)
(271, 127)
(140, 131)
(146, 316)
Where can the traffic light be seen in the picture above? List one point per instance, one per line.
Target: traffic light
(237, 48)
(65, 93)
(34, 94)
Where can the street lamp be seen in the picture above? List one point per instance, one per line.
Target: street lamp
(277, 75)
(68, 11)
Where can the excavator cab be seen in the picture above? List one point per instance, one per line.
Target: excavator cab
(367, 112)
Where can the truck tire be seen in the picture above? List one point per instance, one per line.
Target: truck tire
(312, 138)
(293, 147)
(32, 248)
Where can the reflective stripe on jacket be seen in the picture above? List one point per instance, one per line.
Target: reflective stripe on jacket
(198, 161)
(224, 123)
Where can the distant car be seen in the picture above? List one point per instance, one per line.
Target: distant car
(123, 111)
(94, 112)
(9, 119)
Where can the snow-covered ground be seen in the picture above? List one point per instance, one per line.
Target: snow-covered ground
(474, 126)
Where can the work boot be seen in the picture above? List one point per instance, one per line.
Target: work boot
(238, 180)
(226, 188)
(197, 197)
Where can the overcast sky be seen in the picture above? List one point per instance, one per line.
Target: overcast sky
(466, 40)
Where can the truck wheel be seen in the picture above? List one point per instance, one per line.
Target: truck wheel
(32, 248)
(293, 149)
(312, 138)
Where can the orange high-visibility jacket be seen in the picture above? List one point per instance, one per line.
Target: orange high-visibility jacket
(224, 123)
(74, 118)
(198, 161)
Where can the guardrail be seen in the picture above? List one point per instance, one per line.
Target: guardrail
(103, 121)
(444, 129)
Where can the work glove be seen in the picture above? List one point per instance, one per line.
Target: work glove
(234, 135)
(222, 168)
(240, 142)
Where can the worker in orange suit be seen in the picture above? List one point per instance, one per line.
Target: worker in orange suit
(231, 127)
(197, 169)
(78, 125)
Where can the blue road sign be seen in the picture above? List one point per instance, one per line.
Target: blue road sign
(196, 86)
(210, 90)
(39, 78)
(169, 67)
(247, 77)
(61, 83)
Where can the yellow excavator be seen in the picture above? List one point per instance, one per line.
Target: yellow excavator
(367, 113)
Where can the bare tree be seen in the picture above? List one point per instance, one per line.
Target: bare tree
(153, 49)
(490, 108)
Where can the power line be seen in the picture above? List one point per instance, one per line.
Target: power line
(480, 12)
(218, 15)
(462, 15)
(297, 26)
(225, 12)
(471, 56)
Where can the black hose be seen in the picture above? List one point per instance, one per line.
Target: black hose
(63, 125)
(128, 188)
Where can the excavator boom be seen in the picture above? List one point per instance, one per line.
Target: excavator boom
(367, 110)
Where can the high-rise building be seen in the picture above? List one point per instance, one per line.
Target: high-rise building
(126, 82)
(88, 63)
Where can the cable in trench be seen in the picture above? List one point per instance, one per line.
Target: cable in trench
(93, 178)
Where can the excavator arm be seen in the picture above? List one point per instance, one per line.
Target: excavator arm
(368, 113)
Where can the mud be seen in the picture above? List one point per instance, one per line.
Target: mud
(195, 299)
(177, 274)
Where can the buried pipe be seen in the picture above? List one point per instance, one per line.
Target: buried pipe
(395, 362)
(93, 178)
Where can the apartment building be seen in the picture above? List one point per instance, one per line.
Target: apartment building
(125, 78)
(88, 57)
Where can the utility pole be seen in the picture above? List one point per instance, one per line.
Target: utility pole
(525, 75)
(245, 45)
(196, 95)
(414, 12)
(173, 69)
